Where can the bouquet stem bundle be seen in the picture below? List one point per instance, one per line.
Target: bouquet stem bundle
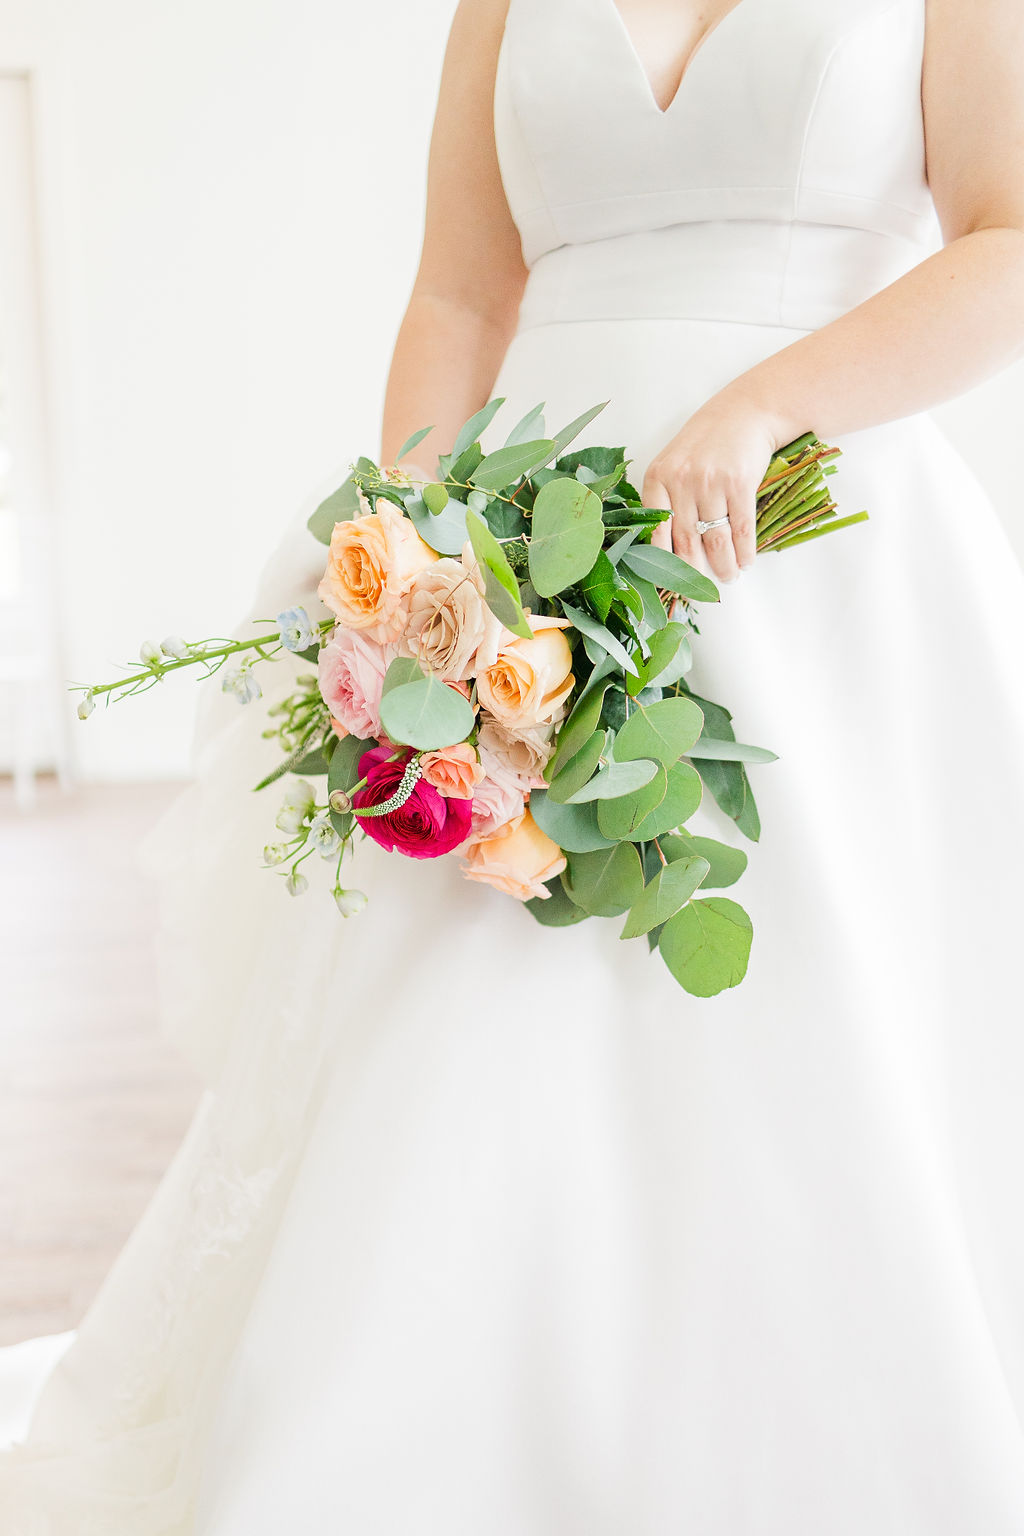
(793, 501)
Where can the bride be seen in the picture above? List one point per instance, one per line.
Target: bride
(486, 1228)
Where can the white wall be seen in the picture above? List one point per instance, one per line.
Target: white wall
(232, 196)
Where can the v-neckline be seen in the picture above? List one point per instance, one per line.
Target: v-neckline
(627, 36)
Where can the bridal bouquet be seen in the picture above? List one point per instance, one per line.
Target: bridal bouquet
(503, 676)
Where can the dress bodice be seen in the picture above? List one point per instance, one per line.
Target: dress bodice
(783, 184)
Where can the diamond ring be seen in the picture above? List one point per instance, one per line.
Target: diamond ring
(703, 527)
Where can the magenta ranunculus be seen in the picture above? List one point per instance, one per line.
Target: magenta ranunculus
(427, 825)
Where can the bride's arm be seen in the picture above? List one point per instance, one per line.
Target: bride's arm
(953, 320)
(465, 299)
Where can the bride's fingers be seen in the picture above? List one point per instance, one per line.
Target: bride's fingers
(743, 524)
(718, 542)
(655, 494)
(685, 538)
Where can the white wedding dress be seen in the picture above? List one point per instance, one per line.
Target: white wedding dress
(485, 1227)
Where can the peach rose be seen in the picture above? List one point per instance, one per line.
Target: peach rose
(371, 565)
(518, 859)
(449, 626)
(524, 753)
(530, 680)
(453, 771)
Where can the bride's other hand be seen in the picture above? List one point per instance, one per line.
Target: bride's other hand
(711, 469)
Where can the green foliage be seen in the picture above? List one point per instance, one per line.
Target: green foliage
(607, 882)
(339, 507)
(567, 534)
(587, 625)
(435, 497)
(444, 530)
(670, 890)
(426, 714)
(411, 442)
(471, 430)
(664, 731)
(614, 780)
(505, 465)
(531, 426)
(578, 768)
(667, 570)
(573, 827)
(556, 910)
(682, 797)
(726, 863)
(578, 726)
(501, 589)
(706, 946)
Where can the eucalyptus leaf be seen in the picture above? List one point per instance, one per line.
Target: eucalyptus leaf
(606, 882)
(566, 535)
(411, 442)
(601, 634)
(469, 432)
(614, 780)
(445, 531)
(727, 863)
(342, 505)
(577, 728)
(504, 465)
(426, 714)
(706, 946)
(563, 438)
(681, 799)
(731, 751)
(578, 769)
(403, 669)
(667, 570)
(621, 816)
(664, 731)
(435, 496)
(557, 910)
(531, 426)
(501, 590)
(573, 827)
(670, 890)
(658, 669)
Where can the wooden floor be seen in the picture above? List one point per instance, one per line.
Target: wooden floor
(92, 1103)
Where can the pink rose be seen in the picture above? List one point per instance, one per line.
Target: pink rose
(351, 670)
(498, 798)
(453, 771)
(425, 827)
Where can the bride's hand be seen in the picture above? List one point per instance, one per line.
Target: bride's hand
(711, 469)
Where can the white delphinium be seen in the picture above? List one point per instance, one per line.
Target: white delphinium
(86, 705)
(350, 903)
(174, 646)
(297, 632)
(274, 853)
(296, 884)
(323, 836)
(299, 796)
(241, 682)
(149, 653)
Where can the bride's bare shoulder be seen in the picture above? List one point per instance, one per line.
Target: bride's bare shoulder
(972, 93)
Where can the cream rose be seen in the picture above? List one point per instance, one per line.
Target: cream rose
(371, 565)
(530, 680)
(525, 753)
(453, 771)
(449, 626)
(518, 859)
